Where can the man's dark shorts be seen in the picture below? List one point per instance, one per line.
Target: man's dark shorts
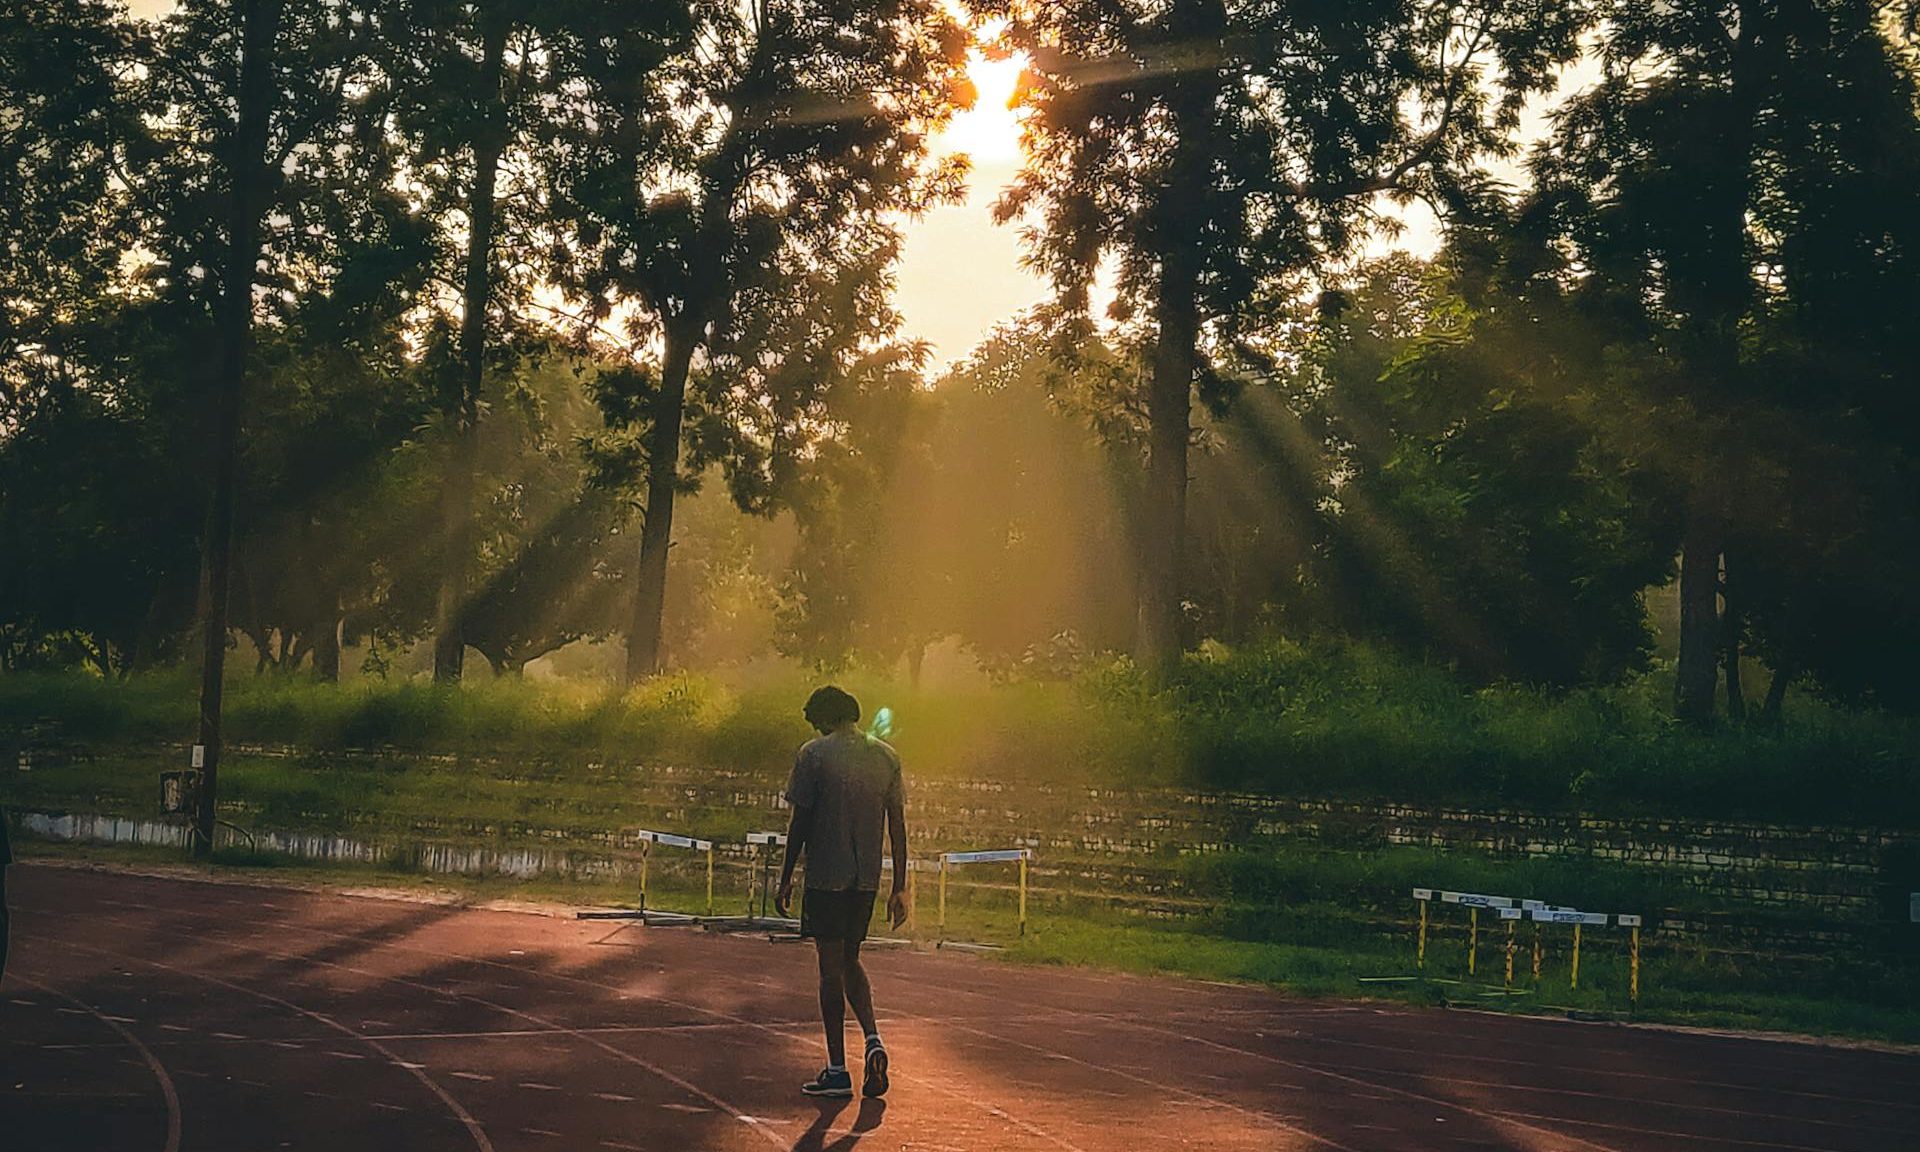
(826, 915)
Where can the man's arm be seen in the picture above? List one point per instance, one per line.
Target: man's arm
(798, 826)
(897, 830)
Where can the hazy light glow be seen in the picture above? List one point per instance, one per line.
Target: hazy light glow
(989, 132)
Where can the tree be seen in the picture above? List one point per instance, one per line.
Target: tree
(1471, 513)
(465, 86)
(732, 207)
(89, 504)
(1216, 153)
(1738, 191)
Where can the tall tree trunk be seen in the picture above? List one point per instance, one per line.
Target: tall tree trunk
(1776, 695)
(456, 507)
(1719, 301)
(1699, 618)
(233, 334)
(656, 534)
(1731, 625)
(1158, 639)
(326, 648)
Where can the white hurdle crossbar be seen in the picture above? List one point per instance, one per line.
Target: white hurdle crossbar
(1511, 912)
(991, 856)
(647, 838)
(760, 912)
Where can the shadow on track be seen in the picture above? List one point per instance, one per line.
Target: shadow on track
(871, 1113)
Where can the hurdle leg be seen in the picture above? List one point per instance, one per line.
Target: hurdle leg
(913, 905)
(943, 898)
(709, 880)
(1509, 953)
(766, 879)
(1473, 940)
(1023, 896)
(1536, 951)
(1576, 957)
(646, 854)
(1633, 968)
(1420, 957)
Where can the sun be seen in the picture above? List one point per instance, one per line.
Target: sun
(988, 132)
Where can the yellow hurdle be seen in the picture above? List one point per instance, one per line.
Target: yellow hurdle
(1023, 897)
(990, 856)
(1421, 960)
(1510, 925)
(1633, 957)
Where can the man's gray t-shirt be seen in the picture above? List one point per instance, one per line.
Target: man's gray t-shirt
(848, 779)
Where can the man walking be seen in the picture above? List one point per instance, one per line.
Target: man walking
(845, 791)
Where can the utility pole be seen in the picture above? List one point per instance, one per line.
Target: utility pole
(234, 331)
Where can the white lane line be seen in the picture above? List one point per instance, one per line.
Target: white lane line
(167, 1091)
(473, 1126)
(479, 1134)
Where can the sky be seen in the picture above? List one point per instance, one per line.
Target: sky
(959, 272)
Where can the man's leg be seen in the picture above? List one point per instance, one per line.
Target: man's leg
(833, 999)
(859, 991)
(860, 995)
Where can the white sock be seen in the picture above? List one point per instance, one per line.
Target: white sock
(836, 1067)
(873, 1040)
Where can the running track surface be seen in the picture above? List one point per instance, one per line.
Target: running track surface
(147, 1014)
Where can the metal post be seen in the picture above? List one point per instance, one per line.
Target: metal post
(1473, 940)
(1576, 957)
(943, 898)
(1510, 926)
(1633, 978)
(1536, 951)
(646, 854)
(1421, 960)
(1023, 896)
(913, 905)
(709, 879)
(766, 878)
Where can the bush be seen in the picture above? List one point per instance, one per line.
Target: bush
(1316, 719)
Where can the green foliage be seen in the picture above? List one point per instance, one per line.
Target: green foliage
(1472, 512)
(1732, 208)
(1321, 720)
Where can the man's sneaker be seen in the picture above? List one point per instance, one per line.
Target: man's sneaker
(876, 1082)
(829, 1083)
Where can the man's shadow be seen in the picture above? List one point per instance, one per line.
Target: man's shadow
(872, 1111)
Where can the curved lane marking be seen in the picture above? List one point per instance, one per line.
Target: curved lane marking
(466, 1118)
(153, 1062)
(985, 1106)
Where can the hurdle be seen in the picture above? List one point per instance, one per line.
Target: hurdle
(1505, 906)
(1542, 913)
(760, 846)
(991, 856)
(1511, 913)
(1633, 956)
(650, 916)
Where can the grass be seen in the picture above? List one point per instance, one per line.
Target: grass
(515, 762)
(1680, 986)
(1315, 720)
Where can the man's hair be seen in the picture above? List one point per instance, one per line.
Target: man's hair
(829, 707)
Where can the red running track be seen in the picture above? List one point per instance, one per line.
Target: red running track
(151, 1014)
